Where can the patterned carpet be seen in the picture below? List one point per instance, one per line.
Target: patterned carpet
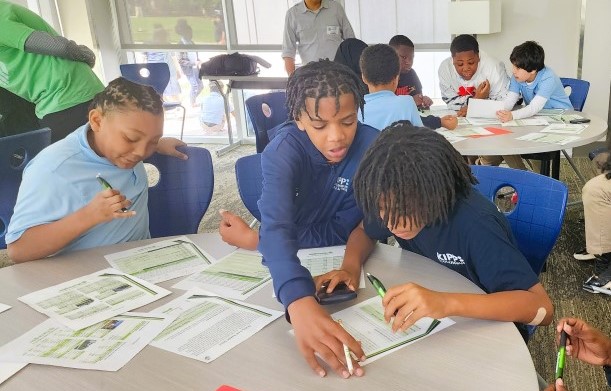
(562, 279)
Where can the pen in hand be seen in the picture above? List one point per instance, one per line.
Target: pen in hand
(107, 186)
(347, 354)
(561, 356)
(379, 287)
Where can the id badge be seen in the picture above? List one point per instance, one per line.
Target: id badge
(333, 30)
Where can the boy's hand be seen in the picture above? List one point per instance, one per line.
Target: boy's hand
(558, 386)
(449, 122)
(462, 112)
(585, 342)
(236, 232)
(483, 90)
(317, 332)
(335, 277)
(412, 302)
(167, 146)
(426, 101)
(107, 205)
(504, 115)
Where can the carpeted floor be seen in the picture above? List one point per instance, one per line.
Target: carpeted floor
(562, 279)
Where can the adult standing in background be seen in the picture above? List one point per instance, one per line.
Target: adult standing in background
(314, 29)
(48, 70)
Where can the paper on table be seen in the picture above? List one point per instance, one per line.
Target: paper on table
(324, 259)
(563, 129)
(209, 326)
(559, 118)
(548, 138)
(452, 138)
(483, 108)
(105, 346)
(162, 261)
(467, 132)
(238, 275)
(8, 369)
(90, 299)
(365, 322)
(4, 307)
(534, 121)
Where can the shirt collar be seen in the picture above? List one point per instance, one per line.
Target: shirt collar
(304, 9)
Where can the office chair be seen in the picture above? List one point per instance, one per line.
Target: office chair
(250, 182)
(539, 211)
(182, 195)
(156, 75)
(577, 96)
(263, 121)
(16, 151)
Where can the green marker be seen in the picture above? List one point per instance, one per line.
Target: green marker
(107, 186)
(561, 355)
(377, 284)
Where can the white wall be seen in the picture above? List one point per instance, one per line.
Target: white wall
(555, 24)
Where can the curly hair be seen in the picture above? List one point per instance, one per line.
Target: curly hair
(122, 94)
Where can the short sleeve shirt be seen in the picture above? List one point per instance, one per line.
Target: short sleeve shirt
(382, 108)
(546, 85)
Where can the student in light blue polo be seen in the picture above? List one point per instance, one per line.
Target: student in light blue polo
(380, 71)
(533, 81)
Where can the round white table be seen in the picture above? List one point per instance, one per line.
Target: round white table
(470, 355)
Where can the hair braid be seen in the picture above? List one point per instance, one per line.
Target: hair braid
(122, 94)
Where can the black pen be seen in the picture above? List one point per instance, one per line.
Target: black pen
(107, 186)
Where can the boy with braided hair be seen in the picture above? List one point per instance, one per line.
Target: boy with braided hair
(414, 185)
(308, 201)
(61, 207)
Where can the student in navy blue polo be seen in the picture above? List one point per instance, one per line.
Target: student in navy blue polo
(414, 185)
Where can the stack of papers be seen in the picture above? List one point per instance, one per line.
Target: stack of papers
(548, 138)
(563, 129)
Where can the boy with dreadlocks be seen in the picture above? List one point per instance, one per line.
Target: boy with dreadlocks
(430, 206)
(61, 207)
(308, 201)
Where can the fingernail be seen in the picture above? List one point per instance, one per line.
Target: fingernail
(359, 372)
(345, 374)
(363, 358)
(221, 211)
(321, 373)
(559, 382)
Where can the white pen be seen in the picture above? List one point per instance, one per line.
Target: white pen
(347, 353)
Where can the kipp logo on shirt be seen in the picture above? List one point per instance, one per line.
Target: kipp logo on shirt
(342, 184)
(450, 259)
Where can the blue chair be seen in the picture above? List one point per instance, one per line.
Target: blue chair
(537, 218)
(178, 201)
(577, 96)
(250, 182)
(16, 151)
(156, 75)
(264, 121)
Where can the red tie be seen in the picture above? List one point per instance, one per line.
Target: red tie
(464, 91)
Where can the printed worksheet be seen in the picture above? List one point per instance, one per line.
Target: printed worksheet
(209, 326)
(90, 299)
(4, 307)
(324, 259)
(548, 138)
(533, 121)
(238, 275)
(365, 322)
(105, 346)
(451, 137)
(558, 118)
(563, 128)
(8, 369)
(162, 261)
(475, 131)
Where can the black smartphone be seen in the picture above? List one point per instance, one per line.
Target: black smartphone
(579, 121)
(340, 294)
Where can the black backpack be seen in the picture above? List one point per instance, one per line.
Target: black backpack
(234, 64)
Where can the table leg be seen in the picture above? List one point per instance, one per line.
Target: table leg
(579, 175)
(232, 145)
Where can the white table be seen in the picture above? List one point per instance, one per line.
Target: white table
(253, 82)
(470, 355)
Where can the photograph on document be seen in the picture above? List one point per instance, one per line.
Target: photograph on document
(208, 325)
(162, 261)
(237, 276)
(90, 299)
(105, 346)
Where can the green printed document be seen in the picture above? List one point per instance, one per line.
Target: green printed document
(236, 276)
(365, 322)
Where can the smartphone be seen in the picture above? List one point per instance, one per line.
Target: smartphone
(340, 294)
(579, 121)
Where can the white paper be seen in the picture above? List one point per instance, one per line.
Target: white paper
(483, 108)
(238, 275)
(534, 121)
(365, 322)
(558, 118)
(105, 346)
(162, 261)
(452, 138)
(548, 138)
(90, 299)
(209, 326)
(324, 259)
(563, 129)
(4, 307)
(8, 369)
(550, 112)
(466, 132)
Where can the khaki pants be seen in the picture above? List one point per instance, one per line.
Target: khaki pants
(513, 161)
(596, 195)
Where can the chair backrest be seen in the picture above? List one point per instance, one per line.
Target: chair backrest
(16, 151)
(250, 182)
(579, 91)
(264, 120)
(537, 217)
(178, 201)
(155, 74)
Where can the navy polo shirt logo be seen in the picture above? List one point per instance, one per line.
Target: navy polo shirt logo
(342, 184)
(450, 259)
